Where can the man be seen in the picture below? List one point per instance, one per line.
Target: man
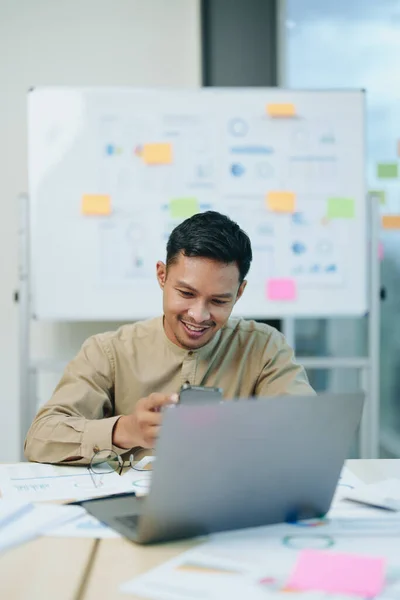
(111, 393)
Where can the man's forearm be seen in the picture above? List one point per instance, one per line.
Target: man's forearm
(58, 438)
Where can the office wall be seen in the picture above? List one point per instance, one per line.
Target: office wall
(71, 42)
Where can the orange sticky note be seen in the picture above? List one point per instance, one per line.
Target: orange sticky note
(96, 204)
(281, 201)
(281, 110)
(200, 568)
(157, 154)
(391, 221)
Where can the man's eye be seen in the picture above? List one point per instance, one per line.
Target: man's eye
(220, 302)
(185, 294)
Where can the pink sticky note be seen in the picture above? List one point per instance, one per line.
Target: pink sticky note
(338, 573)
(381, 251)
(281, 289)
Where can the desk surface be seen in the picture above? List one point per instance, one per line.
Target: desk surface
(82, 569)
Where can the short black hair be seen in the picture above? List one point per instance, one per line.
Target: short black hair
(211, 235)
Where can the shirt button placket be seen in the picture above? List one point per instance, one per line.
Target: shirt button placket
(189, 368)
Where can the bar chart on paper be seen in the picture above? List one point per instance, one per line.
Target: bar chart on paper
(115, 170)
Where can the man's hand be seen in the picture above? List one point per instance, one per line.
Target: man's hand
(142, 427)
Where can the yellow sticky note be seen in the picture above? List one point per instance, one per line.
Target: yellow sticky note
(391, 221)
(96, 204)
(281, 201)
(281, 110)
(157, 154)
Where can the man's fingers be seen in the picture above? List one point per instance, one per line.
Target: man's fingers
(151, 438)
(151, 419)
(148, 416)
(155, 401)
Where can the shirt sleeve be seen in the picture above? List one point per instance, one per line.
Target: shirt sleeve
(79, 418)
(280, 374)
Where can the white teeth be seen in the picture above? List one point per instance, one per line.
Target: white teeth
(194, 328)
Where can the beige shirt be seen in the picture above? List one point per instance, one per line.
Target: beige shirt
(114, 370)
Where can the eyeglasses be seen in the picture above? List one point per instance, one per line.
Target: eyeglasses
(108, 461)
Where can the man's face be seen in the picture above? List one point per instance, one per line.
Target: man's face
(198, 298)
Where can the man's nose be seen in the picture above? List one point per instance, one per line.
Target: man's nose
(199, 312)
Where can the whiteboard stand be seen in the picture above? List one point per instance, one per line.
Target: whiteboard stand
(368, 366)
(289, 331)
(27, 391)
(370, 425)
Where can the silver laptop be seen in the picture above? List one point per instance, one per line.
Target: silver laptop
(239, 464)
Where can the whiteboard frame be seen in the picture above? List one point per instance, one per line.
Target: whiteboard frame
(272, 310)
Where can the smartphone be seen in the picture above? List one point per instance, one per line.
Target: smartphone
(197, 394)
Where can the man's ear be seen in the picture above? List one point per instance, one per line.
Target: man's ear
(240, 290)
(161, 270)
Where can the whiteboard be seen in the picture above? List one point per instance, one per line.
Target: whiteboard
(113, 170)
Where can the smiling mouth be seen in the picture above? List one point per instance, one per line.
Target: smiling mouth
(195, 330)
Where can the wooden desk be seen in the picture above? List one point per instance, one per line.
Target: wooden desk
(128, 560)
(46, 569)
(81, 569)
